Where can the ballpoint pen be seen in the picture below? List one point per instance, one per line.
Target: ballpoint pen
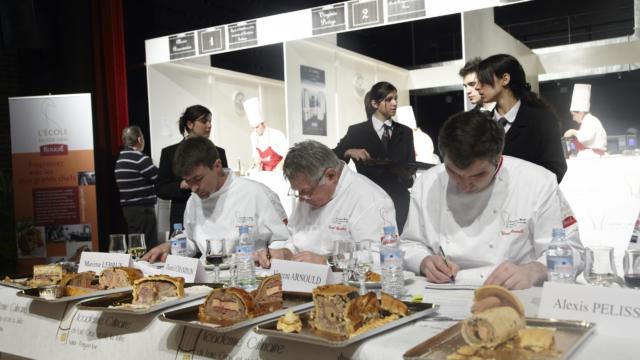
(453, 279)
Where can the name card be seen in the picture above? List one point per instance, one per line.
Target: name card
(98, 261)
(616, 311)
(189, 268)
(300, 277)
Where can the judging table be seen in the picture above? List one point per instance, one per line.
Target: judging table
(40, 330)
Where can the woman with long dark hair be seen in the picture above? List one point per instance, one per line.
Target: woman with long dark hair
(195, 121)
(532, 129)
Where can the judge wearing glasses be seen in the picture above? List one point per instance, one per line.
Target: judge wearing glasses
(333, 202)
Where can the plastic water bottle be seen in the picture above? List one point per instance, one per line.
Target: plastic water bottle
(391, 263)
(560, 258)
(178, 241)
(635, 235)
(246, 269)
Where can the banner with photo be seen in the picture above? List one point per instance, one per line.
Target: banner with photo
(53, 177)
(314, 101)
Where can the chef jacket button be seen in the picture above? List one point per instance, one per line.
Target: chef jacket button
(495, 211)
(481, 276)
(491, 245)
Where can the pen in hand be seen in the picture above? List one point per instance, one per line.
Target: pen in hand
(444, 257)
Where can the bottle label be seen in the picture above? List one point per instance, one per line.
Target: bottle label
(391, 257)
(560, 264)
(178, 246)
(243, 250)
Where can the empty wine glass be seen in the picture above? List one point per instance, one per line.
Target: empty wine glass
(137, 246)
(364, 263)
(600, 269)
(344, 259)
(216, 254)
(118, 243)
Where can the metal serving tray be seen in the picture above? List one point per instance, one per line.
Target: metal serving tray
(416, 311)
(18, 281)
(108, 304)
(568, 337)
(34, 294)
(189, 315)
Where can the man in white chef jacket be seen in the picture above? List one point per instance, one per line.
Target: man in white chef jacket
(220, 202)
(492, 215)
(268, 145)
(334, 203)
(422, 143)
(591, 138)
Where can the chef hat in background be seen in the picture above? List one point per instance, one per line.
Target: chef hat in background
(252, 109)
(404, 115)
(581, 99)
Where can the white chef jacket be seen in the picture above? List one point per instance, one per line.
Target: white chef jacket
(510, 220)
(424, 148)
(239, 201)
(591, 133)
(270, 137)
(358, 210)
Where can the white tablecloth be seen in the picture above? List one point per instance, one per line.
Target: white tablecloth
(48, 331)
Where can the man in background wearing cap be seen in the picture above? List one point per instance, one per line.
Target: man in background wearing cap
(591, 139)
(269, 146)
(421, 142)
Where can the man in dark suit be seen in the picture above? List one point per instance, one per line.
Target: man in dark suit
(381, 148)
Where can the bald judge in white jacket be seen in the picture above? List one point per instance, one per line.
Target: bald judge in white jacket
(333, 203)
(490, 213)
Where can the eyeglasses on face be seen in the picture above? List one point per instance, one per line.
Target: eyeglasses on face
(306, 194)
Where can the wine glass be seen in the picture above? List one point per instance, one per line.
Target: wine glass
(137, 246)
(215, 255)
(600, 269)
(118, 243)
(364, 263)
(344, 259)
(631, 264)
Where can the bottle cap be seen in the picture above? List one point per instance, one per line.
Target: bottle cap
(390, 230)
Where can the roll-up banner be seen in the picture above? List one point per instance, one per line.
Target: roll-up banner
(53, 177)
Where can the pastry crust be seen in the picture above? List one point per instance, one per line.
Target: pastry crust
(536, 339)
(71, 290)
(494, 296)
(267, 297)
(222, 302)
(46, 275)
(83, 279)
(492, 327)
(393, 305)
(177, 282)
(122, 272)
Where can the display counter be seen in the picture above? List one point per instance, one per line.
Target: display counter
(59, 331)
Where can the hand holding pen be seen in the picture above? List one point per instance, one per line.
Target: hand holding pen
(444, 257)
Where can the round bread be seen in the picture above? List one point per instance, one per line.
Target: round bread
(494, 295)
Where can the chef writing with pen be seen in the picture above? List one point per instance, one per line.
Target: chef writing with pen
(268, 145)
(492, 214)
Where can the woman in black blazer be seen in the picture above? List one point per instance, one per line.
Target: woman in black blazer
(366, 140)
(532, 129)
(195, 121)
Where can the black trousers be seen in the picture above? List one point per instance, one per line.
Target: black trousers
(141, 219)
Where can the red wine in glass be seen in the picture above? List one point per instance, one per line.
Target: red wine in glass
(632, 280)
(215, 259)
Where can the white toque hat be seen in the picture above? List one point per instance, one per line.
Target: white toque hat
(581, 99)
(404, 115)
(252, 109)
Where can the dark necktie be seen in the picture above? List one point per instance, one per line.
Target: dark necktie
(503, 121)
(386, 136)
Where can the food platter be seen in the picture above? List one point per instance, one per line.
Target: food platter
(116, 303)
(17, 281)
(416, 311)
(568, 337)
(189, 315)
(34, 294)
(408, 278)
